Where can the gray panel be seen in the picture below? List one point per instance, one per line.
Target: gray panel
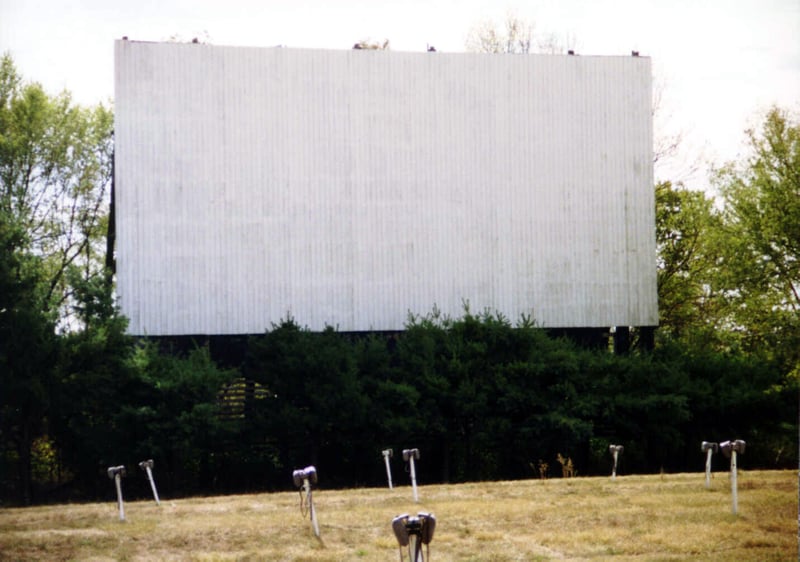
(349, 188)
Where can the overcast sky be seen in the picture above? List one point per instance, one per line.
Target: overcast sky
(719, 63)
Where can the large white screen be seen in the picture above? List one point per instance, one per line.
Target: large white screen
(351, 188)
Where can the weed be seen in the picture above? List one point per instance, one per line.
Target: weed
(541, 468)
(567, 468)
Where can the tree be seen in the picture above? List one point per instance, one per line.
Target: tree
(729, 270)
(516, 36)
(761, 238)
(492, 396)
(55, 163)
(28, 349)
(55, 173)
(96, 382)
(317, 407)
(175, 419)
(685, 224)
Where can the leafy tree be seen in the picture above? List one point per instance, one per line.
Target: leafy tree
(642, 405)
(492, 396)
(174, 419)
(317, 408)
(420, 352)
(55, 173)
(761, 238)
(28, 349)
(392, 409)
(543, 400)
(97, 382)
(740, 394)
(687, 261)
(121, 400)
(54, 168)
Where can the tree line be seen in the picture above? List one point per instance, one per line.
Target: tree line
(482, 396)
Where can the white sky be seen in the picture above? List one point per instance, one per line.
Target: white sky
(720, 63)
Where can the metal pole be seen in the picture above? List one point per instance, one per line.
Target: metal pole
(312, 511)
(388, 468)
(414, 548)
(614, 470)
(118, 482)
(152, 484)
(413, 478)
(733, 483)
(708, 467)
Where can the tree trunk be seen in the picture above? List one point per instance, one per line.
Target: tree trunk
(111, 264)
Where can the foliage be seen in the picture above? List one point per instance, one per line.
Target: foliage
(461, 370)
(478, 396)
(176, 421)
(121, 401)
(55, 164)
(729, 269)
(761, 213)
(55, 172)
(685, 223)
(28, 348)
(95, 381)
(317, 408)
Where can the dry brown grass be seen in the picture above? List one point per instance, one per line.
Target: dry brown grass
(659, 517)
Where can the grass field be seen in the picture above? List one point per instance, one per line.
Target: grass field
(666, 517)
